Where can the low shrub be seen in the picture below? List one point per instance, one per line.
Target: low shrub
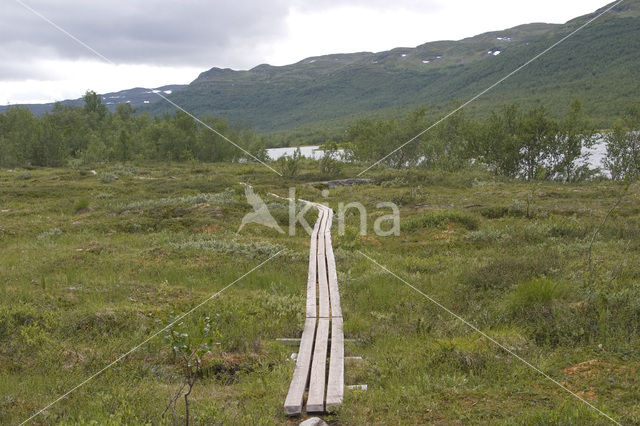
(509, 269)
(439, 219)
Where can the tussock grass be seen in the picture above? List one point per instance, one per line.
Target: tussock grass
(79, 289)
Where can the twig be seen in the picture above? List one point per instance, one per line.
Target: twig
(173, 400)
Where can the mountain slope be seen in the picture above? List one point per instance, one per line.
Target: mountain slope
(596, 65)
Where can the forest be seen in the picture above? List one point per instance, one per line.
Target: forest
(512, 142)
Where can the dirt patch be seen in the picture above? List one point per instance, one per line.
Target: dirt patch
(586, 377)
(368, 239)
(226, 367)
(210, 229)
(588, 369)
(447, 234)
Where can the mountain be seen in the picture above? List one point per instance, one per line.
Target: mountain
(137, 97)
(598, 65)
(325, 93)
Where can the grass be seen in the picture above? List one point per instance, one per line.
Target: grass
(90, 268)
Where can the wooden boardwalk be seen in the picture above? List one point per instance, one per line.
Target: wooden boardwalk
(322, 336)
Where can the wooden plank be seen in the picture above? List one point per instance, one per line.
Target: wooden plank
(323, 284)
(312, 277)
(332, 275)
(317, 382)
(294, 401)
(335, 383)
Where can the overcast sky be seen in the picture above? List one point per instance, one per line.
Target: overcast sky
(157, 42)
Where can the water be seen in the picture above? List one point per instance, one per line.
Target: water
(307, 151)
(597, 152)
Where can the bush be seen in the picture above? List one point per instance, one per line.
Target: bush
(330, 165)
(439, 219)
(50, 234)
(251, 250)
(80, 205)
(108, 177)
(494, 212)
(220, 198)
(509, 269)
(534, 295)
(26, 175)
(290, 166)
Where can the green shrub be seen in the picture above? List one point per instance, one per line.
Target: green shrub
(48, 235)
(252, 250)
(108, 177)
(509, 269)
(290, 165)
(26, 175)
(81, 204)
(534, 295)
(221, 198)
(439, 219)
(104, 196)
(494, 212)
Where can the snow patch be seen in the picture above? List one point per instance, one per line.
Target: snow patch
(496, 53)
(311, 61)
(404, 55)
(146, 102)
(168, 92)
(425, 61)
(503, 38)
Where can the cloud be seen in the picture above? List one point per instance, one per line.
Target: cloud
(194, 32)
(185, 32)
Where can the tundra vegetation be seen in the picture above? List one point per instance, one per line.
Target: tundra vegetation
(91, 267)
(112, 224)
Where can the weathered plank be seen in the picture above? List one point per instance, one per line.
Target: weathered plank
(332, 276)
(335, 383)
(312, 277)
(323, 284)
(317, 382)
(294, 401)
(323, 317)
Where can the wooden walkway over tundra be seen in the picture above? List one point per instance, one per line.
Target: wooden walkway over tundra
(322, 336)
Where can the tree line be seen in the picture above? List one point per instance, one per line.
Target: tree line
(512, 142)
(93, 134)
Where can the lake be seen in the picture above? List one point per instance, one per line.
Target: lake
(306, 151)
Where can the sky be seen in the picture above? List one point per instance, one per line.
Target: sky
(150, 43)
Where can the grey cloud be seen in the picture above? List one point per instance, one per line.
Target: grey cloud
(187, 32)
(172, 32)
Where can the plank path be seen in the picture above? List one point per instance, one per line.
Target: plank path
(322, 339)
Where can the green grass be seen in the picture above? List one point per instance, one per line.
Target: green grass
(91, 267)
